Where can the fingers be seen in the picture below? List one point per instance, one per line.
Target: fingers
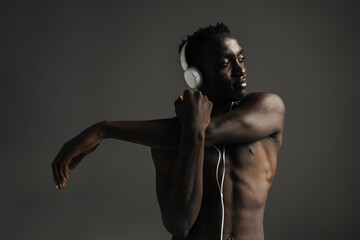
(59, 169)
(188, 93)
(54, 169)
(77, 148)
(65, 160)
(64, 171)
(191, 97)
(179, 100)
(54, 175)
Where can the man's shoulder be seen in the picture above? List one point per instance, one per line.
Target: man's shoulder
(261, 96)
(272, 106)
(265, 100)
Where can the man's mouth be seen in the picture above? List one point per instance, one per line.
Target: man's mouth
(241, 83)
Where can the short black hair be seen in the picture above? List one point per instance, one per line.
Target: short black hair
(194, 49)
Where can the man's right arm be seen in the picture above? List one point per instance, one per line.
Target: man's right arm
(179, 179)
(179, 182)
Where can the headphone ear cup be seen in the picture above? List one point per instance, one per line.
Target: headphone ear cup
(193, 77)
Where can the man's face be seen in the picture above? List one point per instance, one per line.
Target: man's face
(224, 70)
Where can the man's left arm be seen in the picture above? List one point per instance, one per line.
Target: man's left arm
(257, 116)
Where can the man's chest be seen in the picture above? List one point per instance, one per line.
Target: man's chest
(238, 166)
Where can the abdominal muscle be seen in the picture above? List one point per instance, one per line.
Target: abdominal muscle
(248, 177)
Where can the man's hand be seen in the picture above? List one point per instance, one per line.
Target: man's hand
(73, 152)
(193, 110)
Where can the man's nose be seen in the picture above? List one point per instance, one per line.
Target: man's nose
(239, 69)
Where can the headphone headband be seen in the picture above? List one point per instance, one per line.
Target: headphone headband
(183, 61)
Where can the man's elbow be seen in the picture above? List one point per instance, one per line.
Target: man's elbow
(178, 232)
(178, 227)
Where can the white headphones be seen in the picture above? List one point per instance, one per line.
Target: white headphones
(192, 75)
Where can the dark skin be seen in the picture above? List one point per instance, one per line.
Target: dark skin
(185, 160)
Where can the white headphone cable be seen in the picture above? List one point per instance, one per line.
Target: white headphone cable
(221, 185)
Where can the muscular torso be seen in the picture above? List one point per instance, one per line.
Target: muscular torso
(250, 169)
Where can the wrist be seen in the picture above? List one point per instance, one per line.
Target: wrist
(101, 129)
(193, 133)
(193, 127)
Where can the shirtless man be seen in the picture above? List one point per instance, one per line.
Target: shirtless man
(217, 124)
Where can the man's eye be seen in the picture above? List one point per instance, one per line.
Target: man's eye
(225, 63)
(241, 58)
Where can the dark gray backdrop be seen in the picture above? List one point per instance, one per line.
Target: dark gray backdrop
(66, 65)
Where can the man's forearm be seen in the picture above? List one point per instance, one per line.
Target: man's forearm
(184, 194)
(161, 134)
(258, 116)
(231, 128)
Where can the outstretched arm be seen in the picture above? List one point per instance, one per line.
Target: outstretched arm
(161, 134)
